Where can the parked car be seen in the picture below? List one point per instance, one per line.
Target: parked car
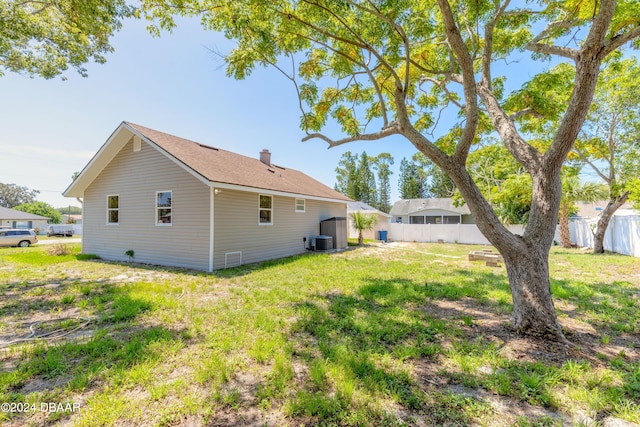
(17, 237)
(60, 230)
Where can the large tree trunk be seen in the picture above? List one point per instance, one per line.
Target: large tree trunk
(533, 310)
(565, 235)
(526, 257)
(603, 222)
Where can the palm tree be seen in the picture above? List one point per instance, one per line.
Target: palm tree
(575, 191)
(363, 222)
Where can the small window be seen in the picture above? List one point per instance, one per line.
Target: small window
(300, 205)
(163, 208)
(265, 210)
(113, 210)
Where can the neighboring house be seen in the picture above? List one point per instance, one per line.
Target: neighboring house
(12, 218)
(382, 224)
(176, 202)
(430, 211)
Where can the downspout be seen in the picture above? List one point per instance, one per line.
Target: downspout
(211, 228)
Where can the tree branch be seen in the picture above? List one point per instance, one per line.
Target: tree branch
(528, 156)
(364, 44)
(398, 29)
(593, 166)
(535, 45)
(616, 41)
(488, 42)
(588, 63)
(525, 112)
(392, 129)
(461, 51)
(376, 86)
(443, 86)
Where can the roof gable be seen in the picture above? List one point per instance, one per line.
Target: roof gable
(209, 164)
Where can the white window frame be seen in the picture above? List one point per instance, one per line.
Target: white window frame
(113, 209)
(304, 205)
(157, 210)
(260, 208)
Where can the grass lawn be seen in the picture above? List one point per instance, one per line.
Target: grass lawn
(382, 335)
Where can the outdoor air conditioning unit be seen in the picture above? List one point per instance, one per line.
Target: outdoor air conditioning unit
(324, 243)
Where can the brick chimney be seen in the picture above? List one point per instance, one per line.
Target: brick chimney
(265, 157)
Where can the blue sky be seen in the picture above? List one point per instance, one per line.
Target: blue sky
(51, 128)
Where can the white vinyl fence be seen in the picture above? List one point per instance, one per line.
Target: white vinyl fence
(448, 233)
(622, 236)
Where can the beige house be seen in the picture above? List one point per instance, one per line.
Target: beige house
(11, 218)
(177, 202)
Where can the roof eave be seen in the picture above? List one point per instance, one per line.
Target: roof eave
(224, 185)
(97, 163)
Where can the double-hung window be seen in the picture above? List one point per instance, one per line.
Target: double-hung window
(113, 210)
(164, 208)
(300, 205)
(265, 210)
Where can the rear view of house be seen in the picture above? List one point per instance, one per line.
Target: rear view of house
(177, 202)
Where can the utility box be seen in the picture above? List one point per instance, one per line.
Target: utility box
(335, 227)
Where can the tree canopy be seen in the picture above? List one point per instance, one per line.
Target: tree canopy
(12, 195)
(433, 72)
(355, 178)
(45, 38)
(42, 209)
(609, 143)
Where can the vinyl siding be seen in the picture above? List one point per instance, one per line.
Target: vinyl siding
(136, 177)
(237, 229)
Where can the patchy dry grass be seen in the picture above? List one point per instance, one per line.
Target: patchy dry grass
(398, 334)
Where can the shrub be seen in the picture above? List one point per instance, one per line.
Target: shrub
(85, 257)
(58, 249)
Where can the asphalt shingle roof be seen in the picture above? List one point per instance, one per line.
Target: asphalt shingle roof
(218, 165)
(12, 214)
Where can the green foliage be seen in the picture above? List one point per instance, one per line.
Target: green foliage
(412, 181)
(383, 163)
(12, 195)
(355, 179)
(609, 141)
(346, 175)
(46, 38)
(633, 186)
(361, 221)
(365, 184)
(42, 209)
(511, 198)
(375, 69)
(70, 210)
